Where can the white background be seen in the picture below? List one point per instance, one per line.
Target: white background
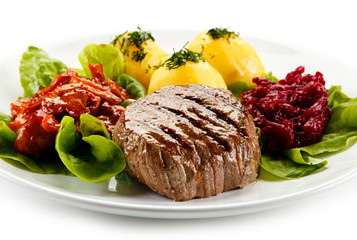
(327, 26)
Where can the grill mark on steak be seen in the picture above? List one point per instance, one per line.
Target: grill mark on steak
(220, 114)
(234, 105)
(157, 134)
(199, 125)
(222, 143)
(182, 142)
(217, 95)
(194, 131)
(187, 147)
(209, 164)
(163, 134)
(176, 114)
(223, 117)
(168, 137)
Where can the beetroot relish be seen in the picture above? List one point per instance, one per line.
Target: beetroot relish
(291, 113)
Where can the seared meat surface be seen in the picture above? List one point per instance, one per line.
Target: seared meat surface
(189, 141)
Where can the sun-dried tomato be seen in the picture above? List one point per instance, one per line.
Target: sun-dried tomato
(36, 120)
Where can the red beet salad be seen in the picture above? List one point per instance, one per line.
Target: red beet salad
(292, 112)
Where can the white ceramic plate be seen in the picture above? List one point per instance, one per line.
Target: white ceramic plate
(140, 201)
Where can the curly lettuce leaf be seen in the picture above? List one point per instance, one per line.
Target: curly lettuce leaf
(5, 118)
(336, 96)
(110, 57)
(344, 116)
(340, 133)
(269, 76)
(127, 102)
(90, 125)
(9, 154)
(92, 158)
(132, 86)
(124, 176)
(291, 163)
(330, 143)
(37, 70)
(237, 88)
(284, 168)
(80, 72)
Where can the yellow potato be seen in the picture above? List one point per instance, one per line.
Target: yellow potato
(191, 73)
(141, 57)
(232, 56)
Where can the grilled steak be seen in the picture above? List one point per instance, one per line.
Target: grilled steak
(189, 141)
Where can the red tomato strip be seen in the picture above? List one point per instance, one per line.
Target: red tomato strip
(36, 120)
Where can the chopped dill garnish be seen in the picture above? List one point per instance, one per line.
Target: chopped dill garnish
(138, 56)
(180, 58)
(136, 38)
(140, 37)
(216, 33)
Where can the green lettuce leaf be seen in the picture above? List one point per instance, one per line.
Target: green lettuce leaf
(336, 96)
(132, 86)
(37, 70)
(110, 57)
(127, 102)
(284, 168)
(9, 154)
(92, 158)
(237, 88)
(340, 133)
(344, 116)
(90, 125)
(80, 72)
(269, 76)
(330, 143)
(5, 118)
(124, 176)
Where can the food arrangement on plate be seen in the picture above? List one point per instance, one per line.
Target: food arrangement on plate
(204, 120)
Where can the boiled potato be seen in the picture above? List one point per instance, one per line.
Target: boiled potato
(141, 53)
(180, 70)
(232, 56)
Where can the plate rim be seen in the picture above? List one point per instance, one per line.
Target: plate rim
(165, 212)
